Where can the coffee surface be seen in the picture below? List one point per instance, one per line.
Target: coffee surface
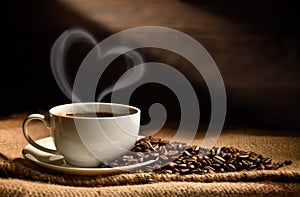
(97, 114)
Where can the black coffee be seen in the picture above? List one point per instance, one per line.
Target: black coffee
(97, 114)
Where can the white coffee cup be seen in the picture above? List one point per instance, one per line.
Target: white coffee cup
(83, 138)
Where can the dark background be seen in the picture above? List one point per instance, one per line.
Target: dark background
(260, 67)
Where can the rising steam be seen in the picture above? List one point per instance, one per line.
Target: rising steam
(58, 55)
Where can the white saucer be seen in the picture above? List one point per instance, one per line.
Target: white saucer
(57, 162)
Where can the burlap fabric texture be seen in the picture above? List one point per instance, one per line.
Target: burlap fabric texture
(20, 177)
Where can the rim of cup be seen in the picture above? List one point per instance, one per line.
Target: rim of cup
(56, 111)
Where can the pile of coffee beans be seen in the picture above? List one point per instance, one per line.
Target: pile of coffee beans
(177, 157)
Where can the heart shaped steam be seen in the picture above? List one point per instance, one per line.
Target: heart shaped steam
(58, 55)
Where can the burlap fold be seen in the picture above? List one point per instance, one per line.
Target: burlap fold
(22, 169)
(16, 187)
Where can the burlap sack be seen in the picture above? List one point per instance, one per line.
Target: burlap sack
(21, 177)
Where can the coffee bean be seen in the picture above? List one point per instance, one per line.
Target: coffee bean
(178, 161)
(176, 157)
(157, 166)
(243, 156)
(139, 154)
(245, 162)
(199, 158)
(125, 157)
(155, 146)
(218, 151)
(204, 162)
(213, 152)
(192, 159)
(280, 164)
(234, 150)
(253, 158)
(164, 157)
(258, 160)
(216, 165)
(163, 150)
(209, 168)
(206, 157)
(138, 149)
(219, 160)
(140, 159)
(154, 140)
(267, 161)
(181, 146)
(198, 165)
(226, 156)
(173, 152)
(168, 171)
(184, 171)
(208, 154)
(163, 142)
(183, 165)
(132, 161)
(261, 167)
(253, 166)
(171, 165)
(146, 145)
(196, 148)
(234, 155)
(287, 162)
(155, 154)
(231, 160)
(240, 165)
(150, 146)
(231, 167)
(187, 153)
(210, 162)
(269, 166)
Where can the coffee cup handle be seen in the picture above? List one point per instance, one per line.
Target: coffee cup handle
(27, 136)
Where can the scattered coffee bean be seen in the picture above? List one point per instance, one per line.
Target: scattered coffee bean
(279, 164)
(287, 162)
(268, 166)
(177, 157)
